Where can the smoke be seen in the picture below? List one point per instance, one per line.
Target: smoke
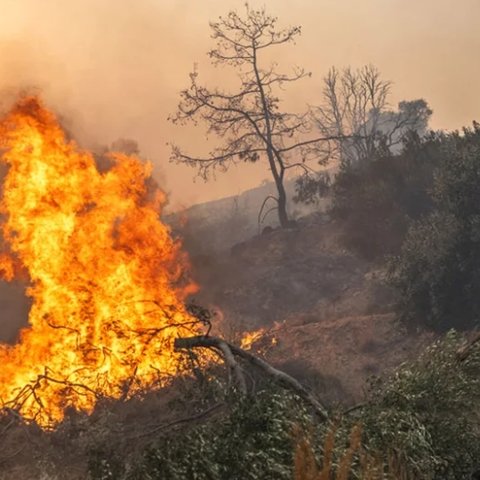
(110, 69)
(113, 69)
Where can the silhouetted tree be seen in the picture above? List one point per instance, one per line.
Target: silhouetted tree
(249, 119)
(355, 112)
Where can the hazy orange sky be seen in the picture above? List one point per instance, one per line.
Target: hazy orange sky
(113, 68)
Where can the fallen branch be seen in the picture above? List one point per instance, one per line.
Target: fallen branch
(234, 367)
(226, 349)
(232, 351)
(354, 408)
(464, 352)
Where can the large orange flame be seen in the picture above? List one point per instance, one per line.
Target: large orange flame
(107, 281)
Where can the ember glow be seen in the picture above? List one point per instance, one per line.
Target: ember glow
(249, 338)
(107, 280)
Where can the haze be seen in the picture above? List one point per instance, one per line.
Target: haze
(114, 68)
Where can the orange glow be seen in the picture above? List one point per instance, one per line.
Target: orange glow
(262, 338)
(249, 338)
(107, 280)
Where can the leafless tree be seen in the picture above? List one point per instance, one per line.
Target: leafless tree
(249, 120)
(355, 112)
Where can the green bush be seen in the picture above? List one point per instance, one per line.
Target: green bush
(437, 271)
(423, 421)
(253, 441)
(427, 413)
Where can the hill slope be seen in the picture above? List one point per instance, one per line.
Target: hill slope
(329, 311)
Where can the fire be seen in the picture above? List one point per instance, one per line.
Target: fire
(267, 336)
(249, 338)
(107, 281)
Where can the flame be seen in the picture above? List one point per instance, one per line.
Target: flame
(267, 337)
(107, 280)
(249, 338)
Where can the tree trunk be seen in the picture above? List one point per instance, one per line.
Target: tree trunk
(282, 194)
(277, 175)
(282, 205)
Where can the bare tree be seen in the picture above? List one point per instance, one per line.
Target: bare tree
(249, 120)
(355, 112)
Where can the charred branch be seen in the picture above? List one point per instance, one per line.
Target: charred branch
(225, 348)
(464, 352)
(233, 351)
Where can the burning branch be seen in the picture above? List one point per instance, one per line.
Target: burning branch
(231, 351)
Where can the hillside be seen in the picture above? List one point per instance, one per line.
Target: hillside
(328, 322)
(215, 226)
(329, 311)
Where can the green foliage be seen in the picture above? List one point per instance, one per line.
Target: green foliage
(253, 441)
(426, 414)
(421, 422)
(438, 269)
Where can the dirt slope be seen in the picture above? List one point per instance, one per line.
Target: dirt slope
(330, 311)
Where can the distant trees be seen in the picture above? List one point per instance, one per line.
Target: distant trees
(377, 202)
(355, 114)
(360, 127)
(249, 119)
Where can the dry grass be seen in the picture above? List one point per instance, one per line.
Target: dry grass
(355, 457)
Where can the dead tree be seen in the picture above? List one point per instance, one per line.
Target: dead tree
(231, 353)
(355, 112)
(249, 119)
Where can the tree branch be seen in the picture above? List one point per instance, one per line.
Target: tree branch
(277, 375)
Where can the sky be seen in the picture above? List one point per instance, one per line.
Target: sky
(114, 68)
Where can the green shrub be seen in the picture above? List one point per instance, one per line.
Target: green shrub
(420, 422)
(253, 441)
(437, 271)
(427, 413)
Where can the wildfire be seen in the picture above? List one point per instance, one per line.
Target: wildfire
(249, 338)
(267, 336)
(107, 281)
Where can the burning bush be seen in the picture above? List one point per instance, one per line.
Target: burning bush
(107, 280)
